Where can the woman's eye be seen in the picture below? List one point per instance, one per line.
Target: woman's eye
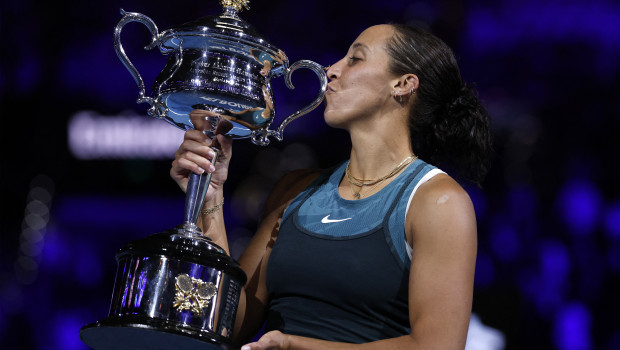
(354, 59)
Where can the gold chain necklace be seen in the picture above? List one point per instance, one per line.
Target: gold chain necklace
(358, 194)
(374, 183)
(362, 182)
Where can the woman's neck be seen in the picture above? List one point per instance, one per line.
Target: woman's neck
(376, 152)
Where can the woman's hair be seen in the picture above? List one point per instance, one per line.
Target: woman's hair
(448, 124)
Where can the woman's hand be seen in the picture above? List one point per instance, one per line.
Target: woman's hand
(273, 340)
(195, 153)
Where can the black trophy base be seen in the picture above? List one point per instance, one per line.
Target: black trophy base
(119, 334)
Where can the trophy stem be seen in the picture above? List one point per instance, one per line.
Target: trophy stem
(196, 191)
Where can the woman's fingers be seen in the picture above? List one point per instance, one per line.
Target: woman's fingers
(193, 160)
(196, 153)
(196, 136)
(196, 163)
(195, 141)
(274, 340)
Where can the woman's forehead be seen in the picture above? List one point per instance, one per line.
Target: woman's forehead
(374, 35)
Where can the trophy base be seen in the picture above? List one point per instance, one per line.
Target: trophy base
(114, 334)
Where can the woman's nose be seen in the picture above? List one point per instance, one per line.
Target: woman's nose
(333, 71)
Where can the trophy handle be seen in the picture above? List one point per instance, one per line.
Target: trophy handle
(320, 72)
(135, 17)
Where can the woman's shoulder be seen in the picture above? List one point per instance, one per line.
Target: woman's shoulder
(441, 189)
(289, 186)
(440, 201)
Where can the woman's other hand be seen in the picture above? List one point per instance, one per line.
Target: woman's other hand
(273, 340)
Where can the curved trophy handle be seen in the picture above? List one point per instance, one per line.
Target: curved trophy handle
(135, 17)
(320, 72)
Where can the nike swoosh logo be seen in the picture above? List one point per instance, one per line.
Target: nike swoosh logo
(327, 220)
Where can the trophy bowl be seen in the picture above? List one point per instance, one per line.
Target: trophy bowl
(177, 289)
(220, 64)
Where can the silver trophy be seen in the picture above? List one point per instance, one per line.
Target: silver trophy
(177, 289)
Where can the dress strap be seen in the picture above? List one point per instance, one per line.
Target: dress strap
(419, 167)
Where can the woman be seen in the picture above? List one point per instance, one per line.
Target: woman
(379, 252)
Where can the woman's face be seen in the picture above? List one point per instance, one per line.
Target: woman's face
(360, 84)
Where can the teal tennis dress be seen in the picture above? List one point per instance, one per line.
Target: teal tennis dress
(339, 269)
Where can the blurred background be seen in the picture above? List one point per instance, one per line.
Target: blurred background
(84, 170)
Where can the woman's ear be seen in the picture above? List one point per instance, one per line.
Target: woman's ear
(406, 85)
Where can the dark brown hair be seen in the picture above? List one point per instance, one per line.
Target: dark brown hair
(449, 126)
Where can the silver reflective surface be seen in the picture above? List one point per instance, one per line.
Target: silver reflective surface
(171, 292)
(147, 286)
(220, 64)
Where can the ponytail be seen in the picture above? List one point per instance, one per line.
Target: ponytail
(449, 126)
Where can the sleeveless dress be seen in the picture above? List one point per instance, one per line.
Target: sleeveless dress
(339, 269)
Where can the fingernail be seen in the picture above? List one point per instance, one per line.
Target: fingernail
(211, 154)
(211, 168)
(201, 170)
(245, 347)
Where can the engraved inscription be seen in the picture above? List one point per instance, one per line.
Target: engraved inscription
(209, 67)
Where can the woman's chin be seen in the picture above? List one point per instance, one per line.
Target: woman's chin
(338, 118)
(331, 118)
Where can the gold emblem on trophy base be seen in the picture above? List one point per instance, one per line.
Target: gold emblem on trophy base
(193, 294)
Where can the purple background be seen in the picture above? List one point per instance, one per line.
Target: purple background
(548, 213)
